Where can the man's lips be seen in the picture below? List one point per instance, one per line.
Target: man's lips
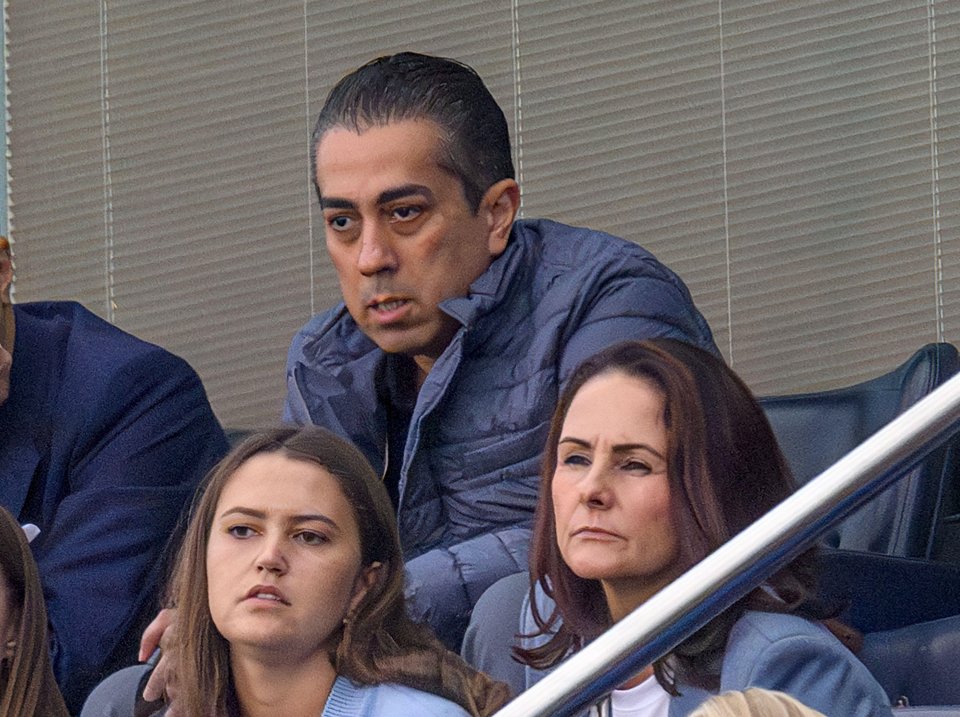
(386, 304)
(266, 592)
(387, 310)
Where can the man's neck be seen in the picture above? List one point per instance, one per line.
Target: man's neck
(424, 365)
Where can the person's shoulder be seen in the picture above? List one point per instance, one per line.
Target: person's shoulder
(802, 658)
(387, 699)
(332, 327)
(323, 321)
(762, 641)
(59, 319)
(577, 255)
(400, 698)
(757, 628)
(116, 695)
(90, 343)
(561, 239)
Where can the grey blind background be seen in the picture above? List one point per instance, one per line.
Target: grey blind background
(797, 162)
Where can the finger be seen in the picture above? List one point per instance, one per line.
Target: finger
(157, 684)
(172, 703)
(150, 640)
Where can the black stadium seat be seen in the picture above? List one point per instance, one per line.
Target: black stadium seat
(918, 516)
(917, 665)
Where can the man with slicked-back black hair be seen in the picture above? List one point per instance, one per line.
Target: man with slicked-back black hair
(458, 324)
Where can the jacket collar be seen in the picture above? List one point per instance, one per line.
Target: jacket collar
(491, 287)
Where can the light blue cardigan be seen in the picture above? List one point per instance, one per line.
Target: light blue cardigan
(786, 653)
(796, 656)
(348, 699)
(115, 697)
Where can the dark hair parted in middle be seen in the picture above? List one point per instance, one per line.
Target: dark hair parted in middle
(378, 644)
(475, 141)
(724, 471)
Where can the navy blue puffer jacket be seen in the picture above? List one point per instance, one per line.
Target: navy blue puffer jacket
(469, 475)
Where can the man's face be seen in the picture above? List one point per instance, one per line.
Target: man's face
(401, 235)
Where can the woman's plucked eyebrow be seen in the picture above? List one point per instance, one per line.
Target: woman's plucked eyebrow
(262, 515)
(618, 448)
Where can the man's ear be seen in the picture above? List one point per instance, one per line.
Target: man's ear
(500, 203)
(368, 577)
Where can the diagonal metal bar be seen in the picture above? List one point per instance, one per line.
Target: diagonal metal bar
(737, 567)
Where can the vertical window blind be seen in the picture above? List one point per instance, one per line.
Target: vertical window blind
(797, 162)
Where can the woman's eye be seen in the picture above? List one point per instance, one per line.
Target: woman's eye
(636, 466)
(308, 537)
(240, 531)
(576, 459)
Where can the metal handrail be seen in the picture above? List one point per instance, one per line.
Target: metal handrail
(738, 566)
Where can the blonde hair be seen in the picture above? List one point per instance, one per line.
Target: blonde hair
(754, 702)
(27, 686)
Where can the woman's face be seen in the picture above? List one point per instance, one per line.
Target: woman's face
(611, 493)
(283, 558)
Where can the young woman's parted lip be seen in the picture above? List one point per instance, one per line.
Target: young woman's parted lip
(266, 592)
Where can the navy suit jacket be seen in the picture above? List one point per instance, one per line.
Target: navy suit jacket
(102, 442)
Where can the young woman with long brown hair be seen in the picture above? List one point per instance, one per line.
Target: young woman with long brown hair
(289, 595)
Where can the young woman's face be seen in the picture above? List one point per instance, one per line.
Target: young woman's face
(611, 493)
(283, 558)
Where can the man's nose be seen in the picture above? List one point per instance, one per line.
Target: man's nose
(376, 252)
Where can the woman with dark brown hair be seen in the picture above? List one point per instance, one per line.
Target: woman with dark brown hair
(289, 594)
(657, 455)
(27, 686)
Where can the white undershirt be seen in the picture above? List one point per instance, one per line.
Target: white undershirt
(648, 699)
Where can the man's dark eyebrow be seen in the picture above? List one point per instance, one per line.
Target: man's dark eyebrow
(405, 190)
(336, 203)
(387, 196)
